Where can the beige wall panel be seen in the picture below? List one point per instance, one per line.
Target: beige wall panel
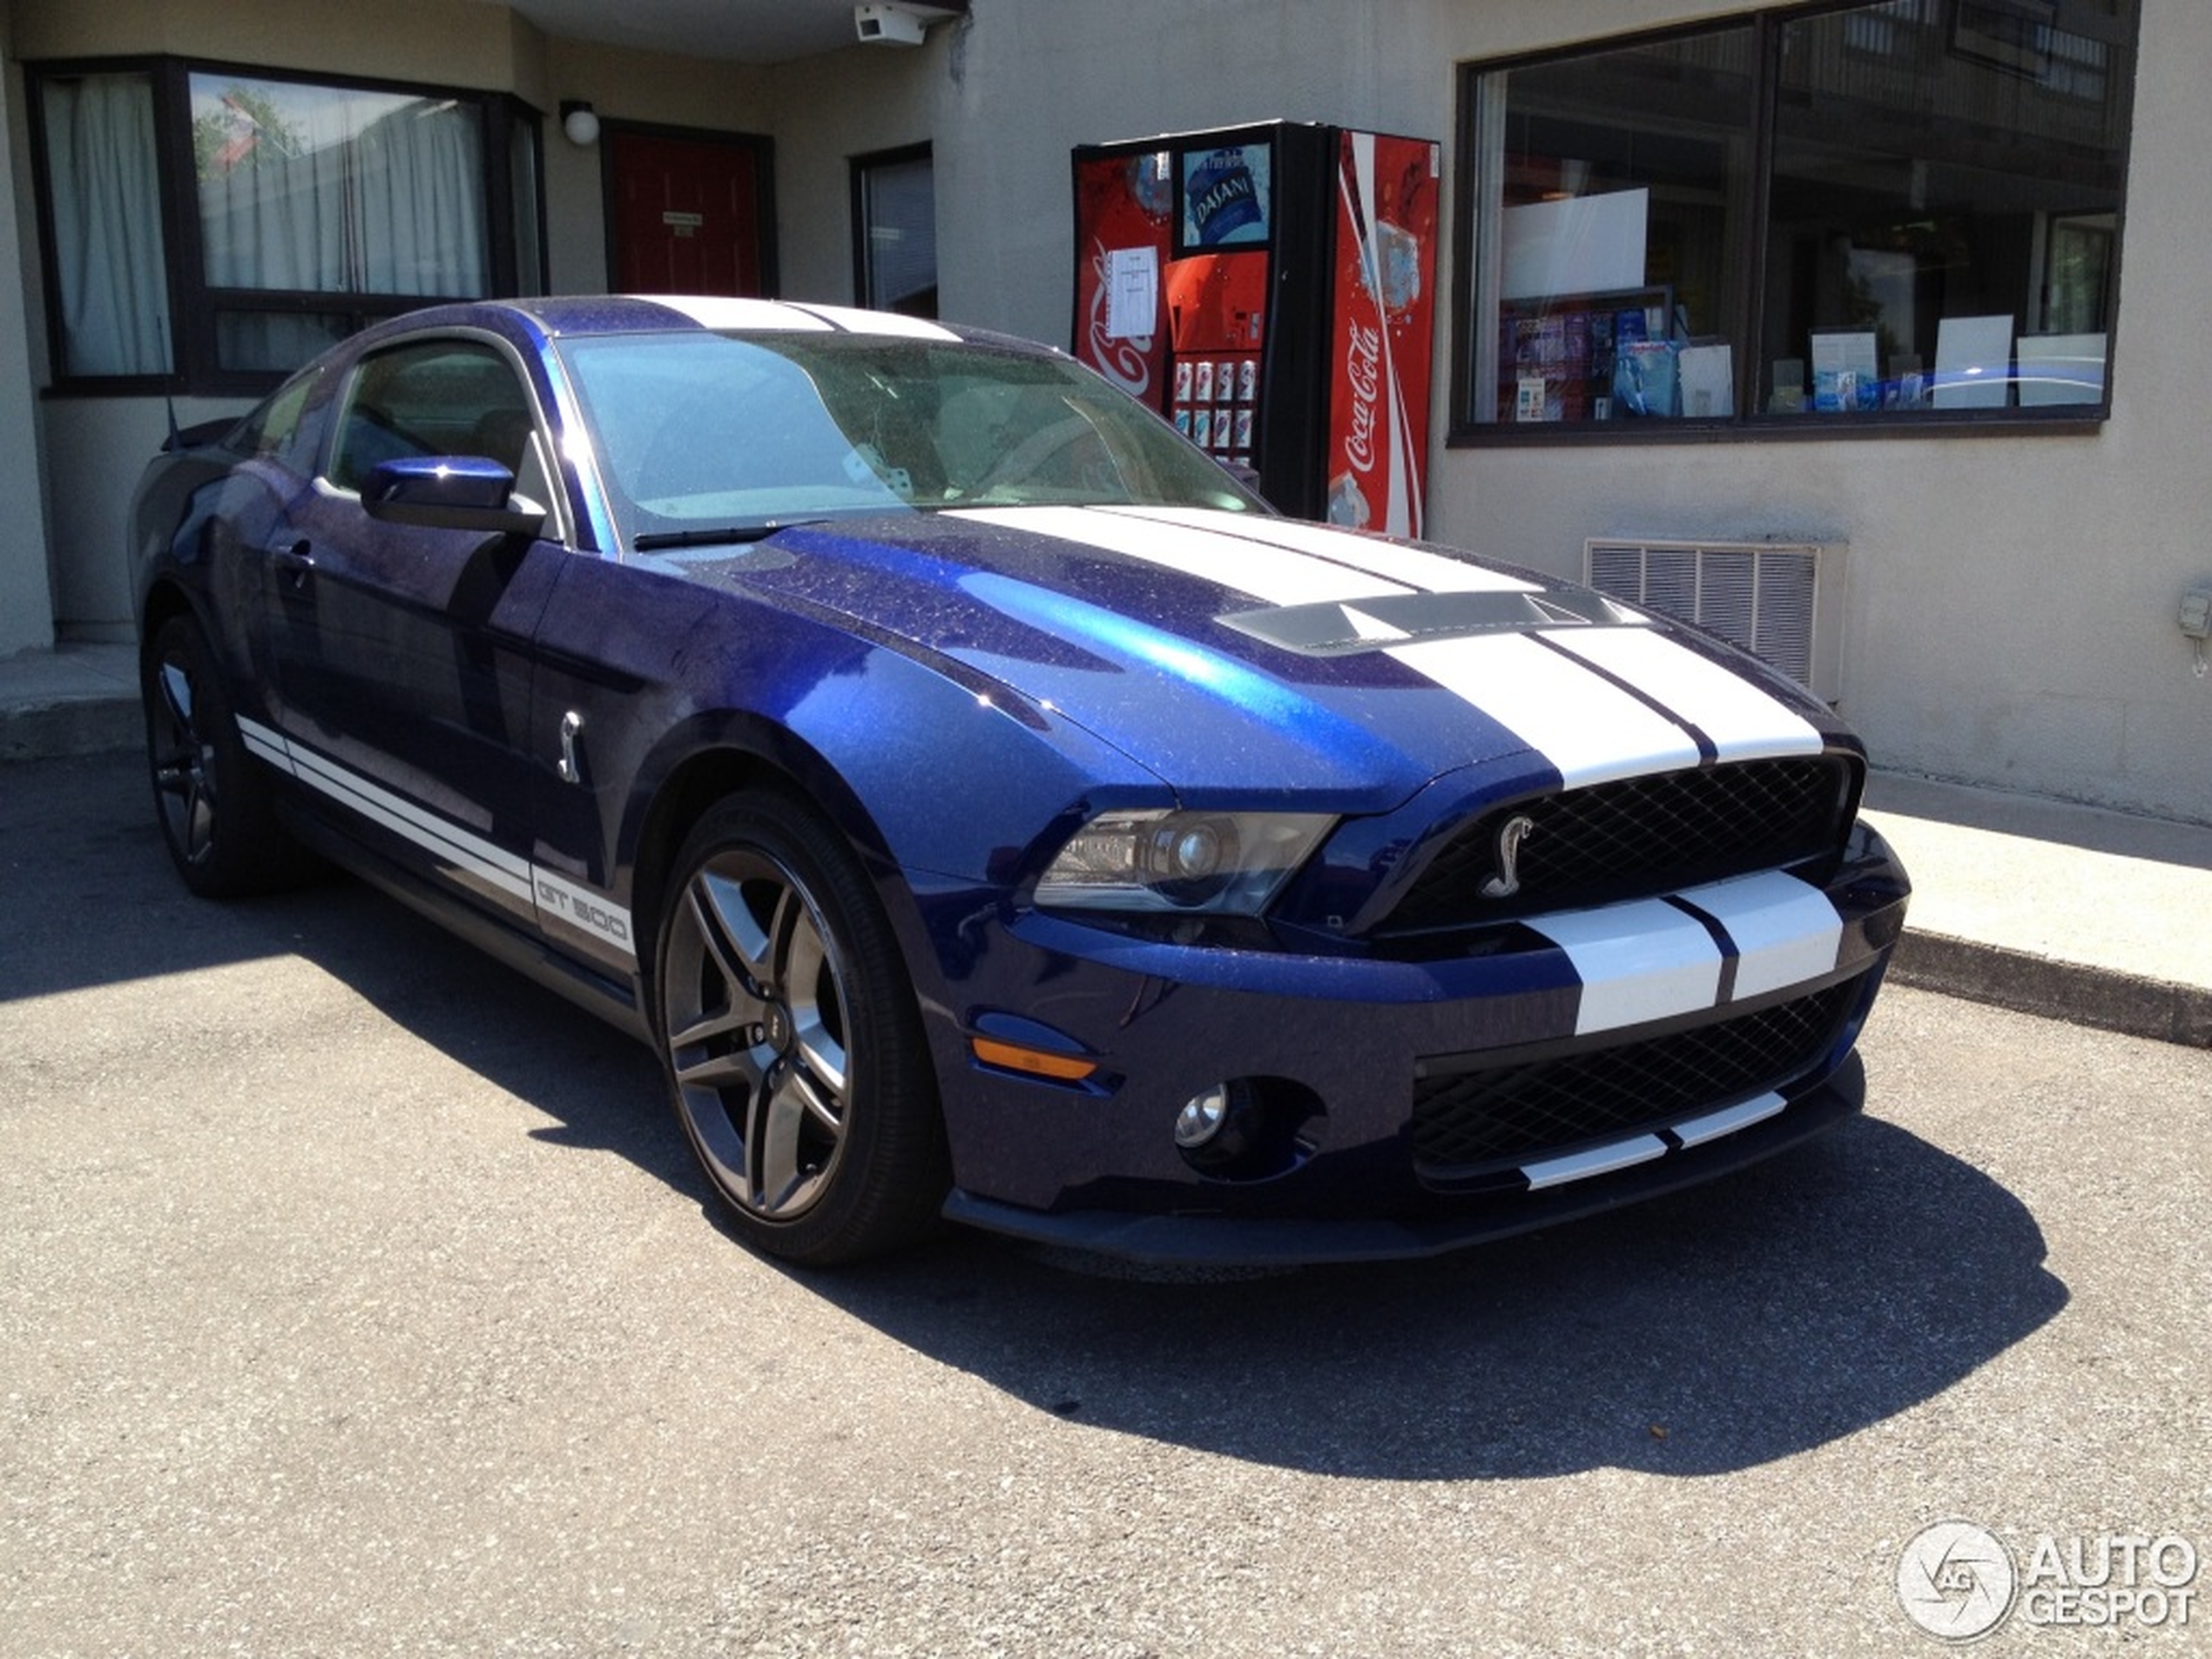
(439, 41)
(620, 85)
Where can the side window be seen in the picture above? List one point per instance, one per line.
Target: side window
(276, 429)
(443, 397)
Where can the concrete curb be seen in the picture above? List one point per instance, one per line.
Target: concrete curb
(2105, 998)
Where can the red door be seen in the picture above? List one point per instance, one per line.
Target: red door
(686, 214)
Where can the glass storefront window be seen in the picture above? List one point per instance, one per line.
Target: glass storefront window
(1904, 210)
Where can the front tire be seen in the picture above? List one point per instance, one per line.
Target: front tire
(211, 800)
(790, 1039)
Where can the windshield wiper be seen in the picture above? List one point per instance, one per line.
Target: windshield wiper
(721, 536)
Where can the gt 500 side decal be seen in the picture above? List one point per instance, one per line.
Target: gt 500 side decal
(583, 909)
(557, 903)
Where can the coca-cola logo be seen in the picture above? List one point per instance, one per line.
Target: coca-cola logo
(1121, 359)
(1362, 368)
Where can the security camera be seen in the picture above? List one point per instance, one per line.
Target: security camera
(889, 25)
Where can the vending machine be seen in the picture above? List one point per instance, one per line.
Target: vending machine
(1271, 290)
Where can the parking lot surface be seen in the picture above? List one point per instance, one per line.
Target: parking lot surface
(357, 1297)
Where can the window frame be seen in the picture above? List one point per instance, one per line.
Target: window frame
(195, 368)
(1752, 422)
(863, 167)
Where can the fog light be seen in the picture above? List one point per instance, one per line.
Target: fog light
(1201, 1117)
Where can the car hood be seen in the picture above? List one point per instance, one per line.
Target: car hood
(1235, 655)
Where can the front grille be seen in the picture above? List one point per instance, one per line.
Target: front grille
(1465, 1121)
(1638, 836)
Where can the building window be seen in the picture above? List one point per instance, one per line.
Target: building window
(1883, 215)
(894, 232)
(109, 258)
(215, 228)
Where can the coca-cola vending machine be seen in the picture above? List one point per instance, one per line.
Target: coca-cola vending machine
(1271, 290)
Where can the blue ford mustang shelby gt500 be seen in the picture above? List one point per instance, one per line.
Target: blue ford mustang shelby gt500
(985, 806)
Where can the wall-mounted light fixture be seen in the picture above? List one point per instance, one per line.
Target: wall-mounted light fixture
(580, 122)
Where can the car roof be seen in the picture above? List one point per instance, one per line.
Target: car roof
(571, 315)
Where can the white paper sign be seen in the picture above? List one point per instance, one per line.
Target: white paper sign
(2061, 368)
(1974, 362)
(1132, 292)
(1707, 381)
(1584, 244)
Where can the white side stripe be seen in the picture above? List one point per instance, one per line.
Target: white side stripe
(552, 898)
(434, 835)
(1641, 960)
(1785, 931)
(265, 744)
(1744, 722)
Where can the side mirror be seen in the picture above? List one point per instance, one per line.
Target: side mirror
(450, 493)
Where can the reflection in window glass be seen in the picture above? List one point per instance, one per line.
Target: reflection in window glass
(1940, 214)
(1624, 193)
(275, 340)
(334, 190)
(897, 211)
(1926, 222)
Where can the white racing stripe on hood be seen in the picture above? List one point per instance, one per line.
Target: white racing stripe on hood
(1276, 575)
(1588, 727)
(1418, 568)
(1742, 722)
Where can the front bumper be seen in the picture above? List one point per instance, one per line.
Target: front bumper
(1609, 1020)
(1256, 1241)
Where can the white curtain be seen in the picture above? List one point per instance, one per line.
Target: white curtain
(372, 194)
(107, 225)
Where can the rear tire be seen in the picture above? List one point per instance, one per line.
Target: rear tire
(790, 1035)
(211, 798)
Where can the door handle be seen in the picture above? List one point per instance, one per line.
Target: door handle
(296, 565)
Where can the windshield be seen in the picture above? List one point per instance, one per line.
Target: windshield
(706, 437)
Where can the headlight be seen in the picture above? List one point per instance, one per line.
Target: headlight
(1188, 862)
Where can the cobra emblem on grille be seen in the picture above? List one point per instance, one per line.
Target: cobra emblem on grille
(1511, 834)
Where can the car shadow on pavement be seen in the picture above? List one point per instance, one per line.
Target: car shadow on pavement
(1833, 1287)
(1822, 1292)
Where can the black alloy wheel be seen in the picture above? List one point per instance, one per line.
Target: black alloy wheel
(791, 1038)
(217, 818)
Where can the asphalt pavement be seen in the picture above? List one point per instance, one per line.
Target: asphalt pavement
(357, 1297)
